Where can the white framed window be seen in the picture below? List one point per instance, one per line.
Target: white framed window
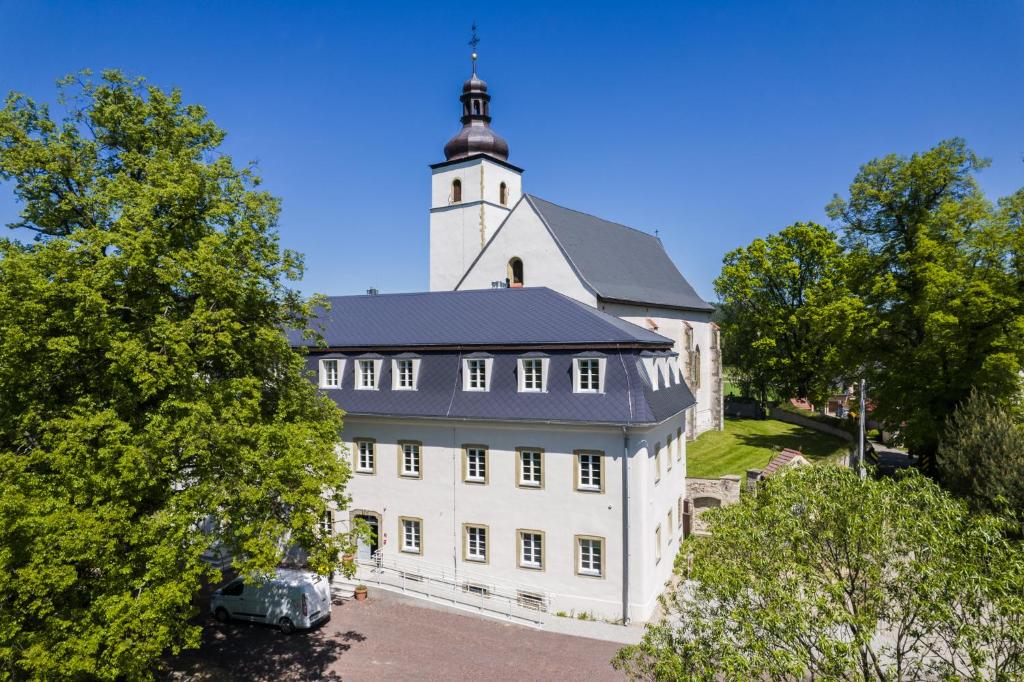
(668, 452)
(330, 373)
(589, 556)
(657, 544)
(367, 374)
(532, 375)
(589, 375)
(411, 534)
(668, 524)
(366, 456)
(403, 373)
(409, 459)
(531, 549)
(657, 462)
(589, 471)
(327, 523)
(474, 542)
(474, 464)
(476, 374)
(531, 468)
(679, 444)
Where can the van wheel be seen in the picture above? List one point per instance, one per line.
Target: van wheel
(286, 626)
(221, 614)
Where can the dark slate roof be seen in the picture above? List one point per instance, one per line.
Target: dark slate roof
(618, 262)
(487, 317)
(627, 400)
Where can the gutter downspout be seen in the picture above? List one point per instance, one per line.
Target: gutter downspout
(625, 525)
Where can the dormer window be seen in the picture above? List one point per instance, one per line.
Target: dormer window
(456, 191)
(532, 374)
(589, 375)
(476, 373)
(404, 372)
(330, 373)
(367, 374)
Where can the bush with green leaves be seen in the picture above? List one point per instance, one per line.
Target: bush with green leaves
(824, 576)
(981, 456)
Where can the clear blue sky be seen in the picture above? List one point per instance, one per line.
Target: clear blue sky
(713, 122)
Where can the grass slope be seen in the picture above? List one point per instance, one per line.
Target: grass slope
(751, 444)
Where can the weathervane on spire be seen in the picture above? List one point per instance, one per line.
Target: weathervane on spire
(473, 42)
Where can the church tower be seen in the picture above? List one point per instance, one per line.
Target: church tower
(472, 190)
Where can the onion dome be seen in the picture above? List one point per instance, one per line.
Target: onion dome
(476, 136)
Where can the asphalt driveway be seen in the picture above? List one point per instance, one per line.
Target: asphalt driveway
(388, 638)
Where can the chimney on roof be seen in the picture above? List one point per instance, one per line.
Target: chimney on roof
(372, 292)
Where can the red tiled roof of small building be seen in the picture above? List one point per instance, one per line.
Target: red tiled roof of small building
(783, 459)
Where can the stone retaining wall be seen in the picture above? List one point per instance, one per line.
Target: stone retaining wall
(709, 493)
(800, 420)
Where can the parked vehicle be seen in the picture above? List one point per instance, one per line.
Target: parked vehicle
(289, 599)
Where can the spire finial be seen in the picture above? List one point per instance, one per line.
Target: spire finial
(473, 42)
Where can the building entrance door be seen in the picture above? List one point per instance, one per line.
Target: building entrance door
(368, 546)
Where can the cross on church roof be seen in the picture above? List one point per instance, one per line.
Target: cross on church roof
(473, 42)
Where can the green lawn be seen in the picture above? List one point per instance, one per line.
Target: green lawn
(751, 444)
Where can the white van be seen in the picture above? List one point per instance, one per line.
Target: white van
(289, 599)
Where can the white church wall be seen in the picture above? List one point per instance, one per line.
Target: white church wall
(654, 498)
(670, 323)
(458, 231)
(524, 236)
(444, 502)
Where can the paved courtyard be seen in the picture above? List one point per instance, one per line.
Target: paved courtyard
(386, 638)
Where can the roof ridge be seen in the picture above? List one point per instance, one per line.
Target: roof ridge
(597, 217)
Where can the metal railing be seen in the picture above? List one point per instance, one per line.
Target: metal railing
(460, 588)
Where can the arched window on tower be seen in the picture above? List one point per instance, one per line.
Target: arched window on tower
(503, 194)
(456, 191)
(515, 272)
(476, 106)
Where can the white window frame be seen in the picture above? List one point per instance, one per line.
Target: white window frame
(534, 541)
(339, 364)
(358, 455)
(406, 523)
(327, 523)
(588, 485)
(478, 453)
(468, 363)
(403, 470)
(396, 374)
(536, 455)
(587, 563)
(481, 540)
(523, 388)
(359, 374)
(578, 371)
(657, 543)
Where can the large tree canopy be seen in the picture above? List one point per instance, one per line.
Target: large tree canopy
(146, 387)
(787, 315)
(940, 271)
(824, 576)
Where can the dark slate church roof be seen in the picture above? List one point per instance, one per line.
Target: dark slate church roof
(441, 328)
(618, 262)
(469, 318)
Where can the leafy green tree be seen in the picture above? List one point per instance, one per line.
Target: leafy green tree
(939, 270)
(981, 456)
(146, 387)
(822, 575)
(787, 314)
